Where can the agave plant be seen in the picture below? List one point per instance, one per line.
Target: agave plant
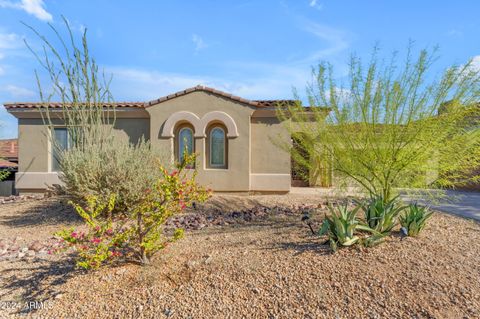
(382, 215)
(342, 225)
(414, 219)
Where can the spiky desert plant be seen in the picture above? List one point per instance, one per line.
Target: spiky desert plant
(342, 225)
(381, 215)
(415, 218)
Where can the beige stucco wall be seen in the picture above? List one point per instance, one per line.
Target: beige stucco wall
(268, 134)
(270, 162)
(236, 178)
(34, 148)
(255, 162)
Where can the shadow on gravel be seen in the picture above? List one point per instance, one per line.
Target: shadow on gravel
(38, 281)
(300, 247)
(306, 244)
(51, 211)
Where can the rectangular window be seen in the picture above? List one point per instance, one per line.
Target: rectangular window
(60, 143)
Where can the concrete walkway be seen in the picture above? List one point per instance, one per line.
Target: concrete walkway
(466, 204)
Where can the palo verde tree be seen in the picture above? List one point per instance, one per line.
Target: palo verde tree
(391, 125)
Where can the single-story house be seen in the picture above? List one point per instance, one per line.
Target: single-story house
(233, 137)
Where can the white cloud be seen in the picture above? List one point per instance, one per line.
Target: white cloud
(455, 33)
(476, 62)
(18, 92)
(252, 80)
(9, 41)
(336, 40)
(32, 7)
(199, 43)
(315, 4)
(270, 82)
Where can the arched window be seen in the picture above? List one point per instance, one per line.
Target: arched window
(217, 149)
(184, 142)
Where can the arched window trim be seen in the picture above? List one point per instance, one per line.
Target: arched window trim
(209, 145)
(178, 130)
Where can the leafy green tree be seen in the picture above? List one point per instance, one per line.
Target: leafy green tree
(391, 125)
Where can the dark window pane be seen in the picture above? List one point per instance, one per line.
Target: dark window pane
(60, 137)
(217, 147)
(185, 143)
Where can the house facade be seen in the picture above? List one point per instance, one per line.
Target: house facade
(236, 139)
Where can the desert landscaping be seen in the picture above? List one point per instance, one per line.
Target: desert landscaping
(242, 257)
(239, 159)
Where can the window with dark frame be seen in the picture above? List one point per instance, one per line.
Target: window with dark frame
(217, 148)
(184, 142)
(61, 142)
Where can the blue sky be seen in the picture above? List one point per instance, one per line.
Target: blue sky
(255, 49)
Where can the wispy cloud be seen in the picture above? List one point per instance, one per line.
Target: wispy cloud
(336, 40)
(475, 62)
(9, 41)
(454, 33)
(249, 79)
(269, 82)
(198, 42)
(32, 7)
(18, 92)
(315, 4)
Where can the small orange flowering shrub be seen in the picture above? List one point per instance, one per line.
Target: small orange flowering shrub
(134, 234)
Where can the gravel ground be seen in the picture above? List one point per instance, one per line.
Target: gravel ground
(266, 266)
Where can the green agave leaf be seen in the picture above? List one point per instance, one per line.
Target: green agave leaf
(368, 229)
(413, 229)
(324, 229)
(333, 245)
(350, 241)
(374, 240)
(339, 226)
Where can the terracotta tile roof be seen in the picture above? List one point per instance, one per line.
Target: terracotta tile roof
(275, 103)
(9, 149)
(204, 89)
(7, 164)
(255, 103)
(58, 105)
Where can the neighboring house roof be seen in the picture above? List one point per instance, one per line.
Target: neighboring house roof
(7, 164)
(255, 103)
(8, 153)
(9, 148)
